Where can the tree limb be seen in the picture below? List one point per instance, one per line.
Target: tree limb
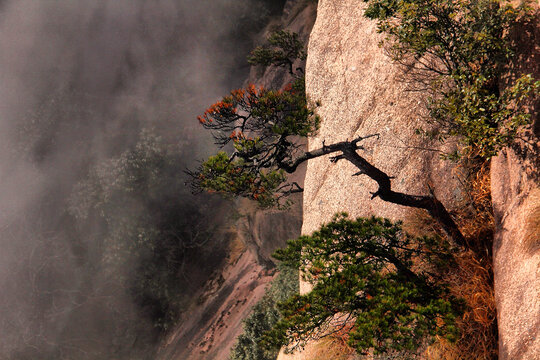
(427, 202)
(348, 151)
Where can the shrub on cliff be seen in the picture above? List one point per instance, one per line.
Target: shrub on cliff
(264, 315)
(262, 126)
(459, 51)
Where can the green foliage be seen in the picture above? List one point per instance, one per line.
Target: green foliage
(282, 49)
(264, 316)
(468, 37)
(234, 178)
(485, 121)
(459, 49)
(262, 126)
(364, 281)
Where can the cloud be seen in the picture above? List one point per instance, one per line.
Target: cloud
(79, 80)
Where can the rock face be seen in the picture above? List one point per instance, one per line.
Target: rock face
(515, 180)
(361, 93)
(209, 328)
(516, 201)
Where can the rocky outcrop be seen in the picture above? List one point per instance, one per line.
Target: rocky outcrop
(516, 201)
(515, 180)
(208, 329)
(361, 93)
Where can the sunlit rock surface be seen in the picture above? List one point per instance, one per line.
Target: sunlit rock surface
(516, 201)
(360, 92)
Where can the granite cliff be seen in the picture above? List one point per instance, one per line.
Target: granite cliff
(362, 92)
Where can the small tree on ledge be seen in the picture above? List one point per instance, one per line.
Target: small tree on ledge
(282, 49)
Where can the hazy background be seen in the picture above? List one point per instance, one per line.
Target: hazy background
(98, 100)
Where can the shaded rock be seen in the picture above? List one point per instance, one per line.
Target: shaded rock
(208, 330)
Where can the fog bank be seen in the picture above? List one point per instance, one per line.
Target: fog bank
(79, 81)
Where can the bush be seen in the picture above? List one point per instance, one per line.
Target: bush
(459, 51)
(264, 316)
(283, 48)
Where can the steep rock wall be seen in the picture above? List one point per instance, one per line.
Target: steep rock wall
(516, 261)
(361, 92)
(515, 180)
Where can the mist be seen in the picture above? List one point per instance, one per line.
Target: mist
(87, 89)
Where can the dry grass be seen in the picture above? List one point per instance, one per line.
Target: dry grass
(471, 276)
(333, 347)
(471, 280)
(475, 214)
(419, 223)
